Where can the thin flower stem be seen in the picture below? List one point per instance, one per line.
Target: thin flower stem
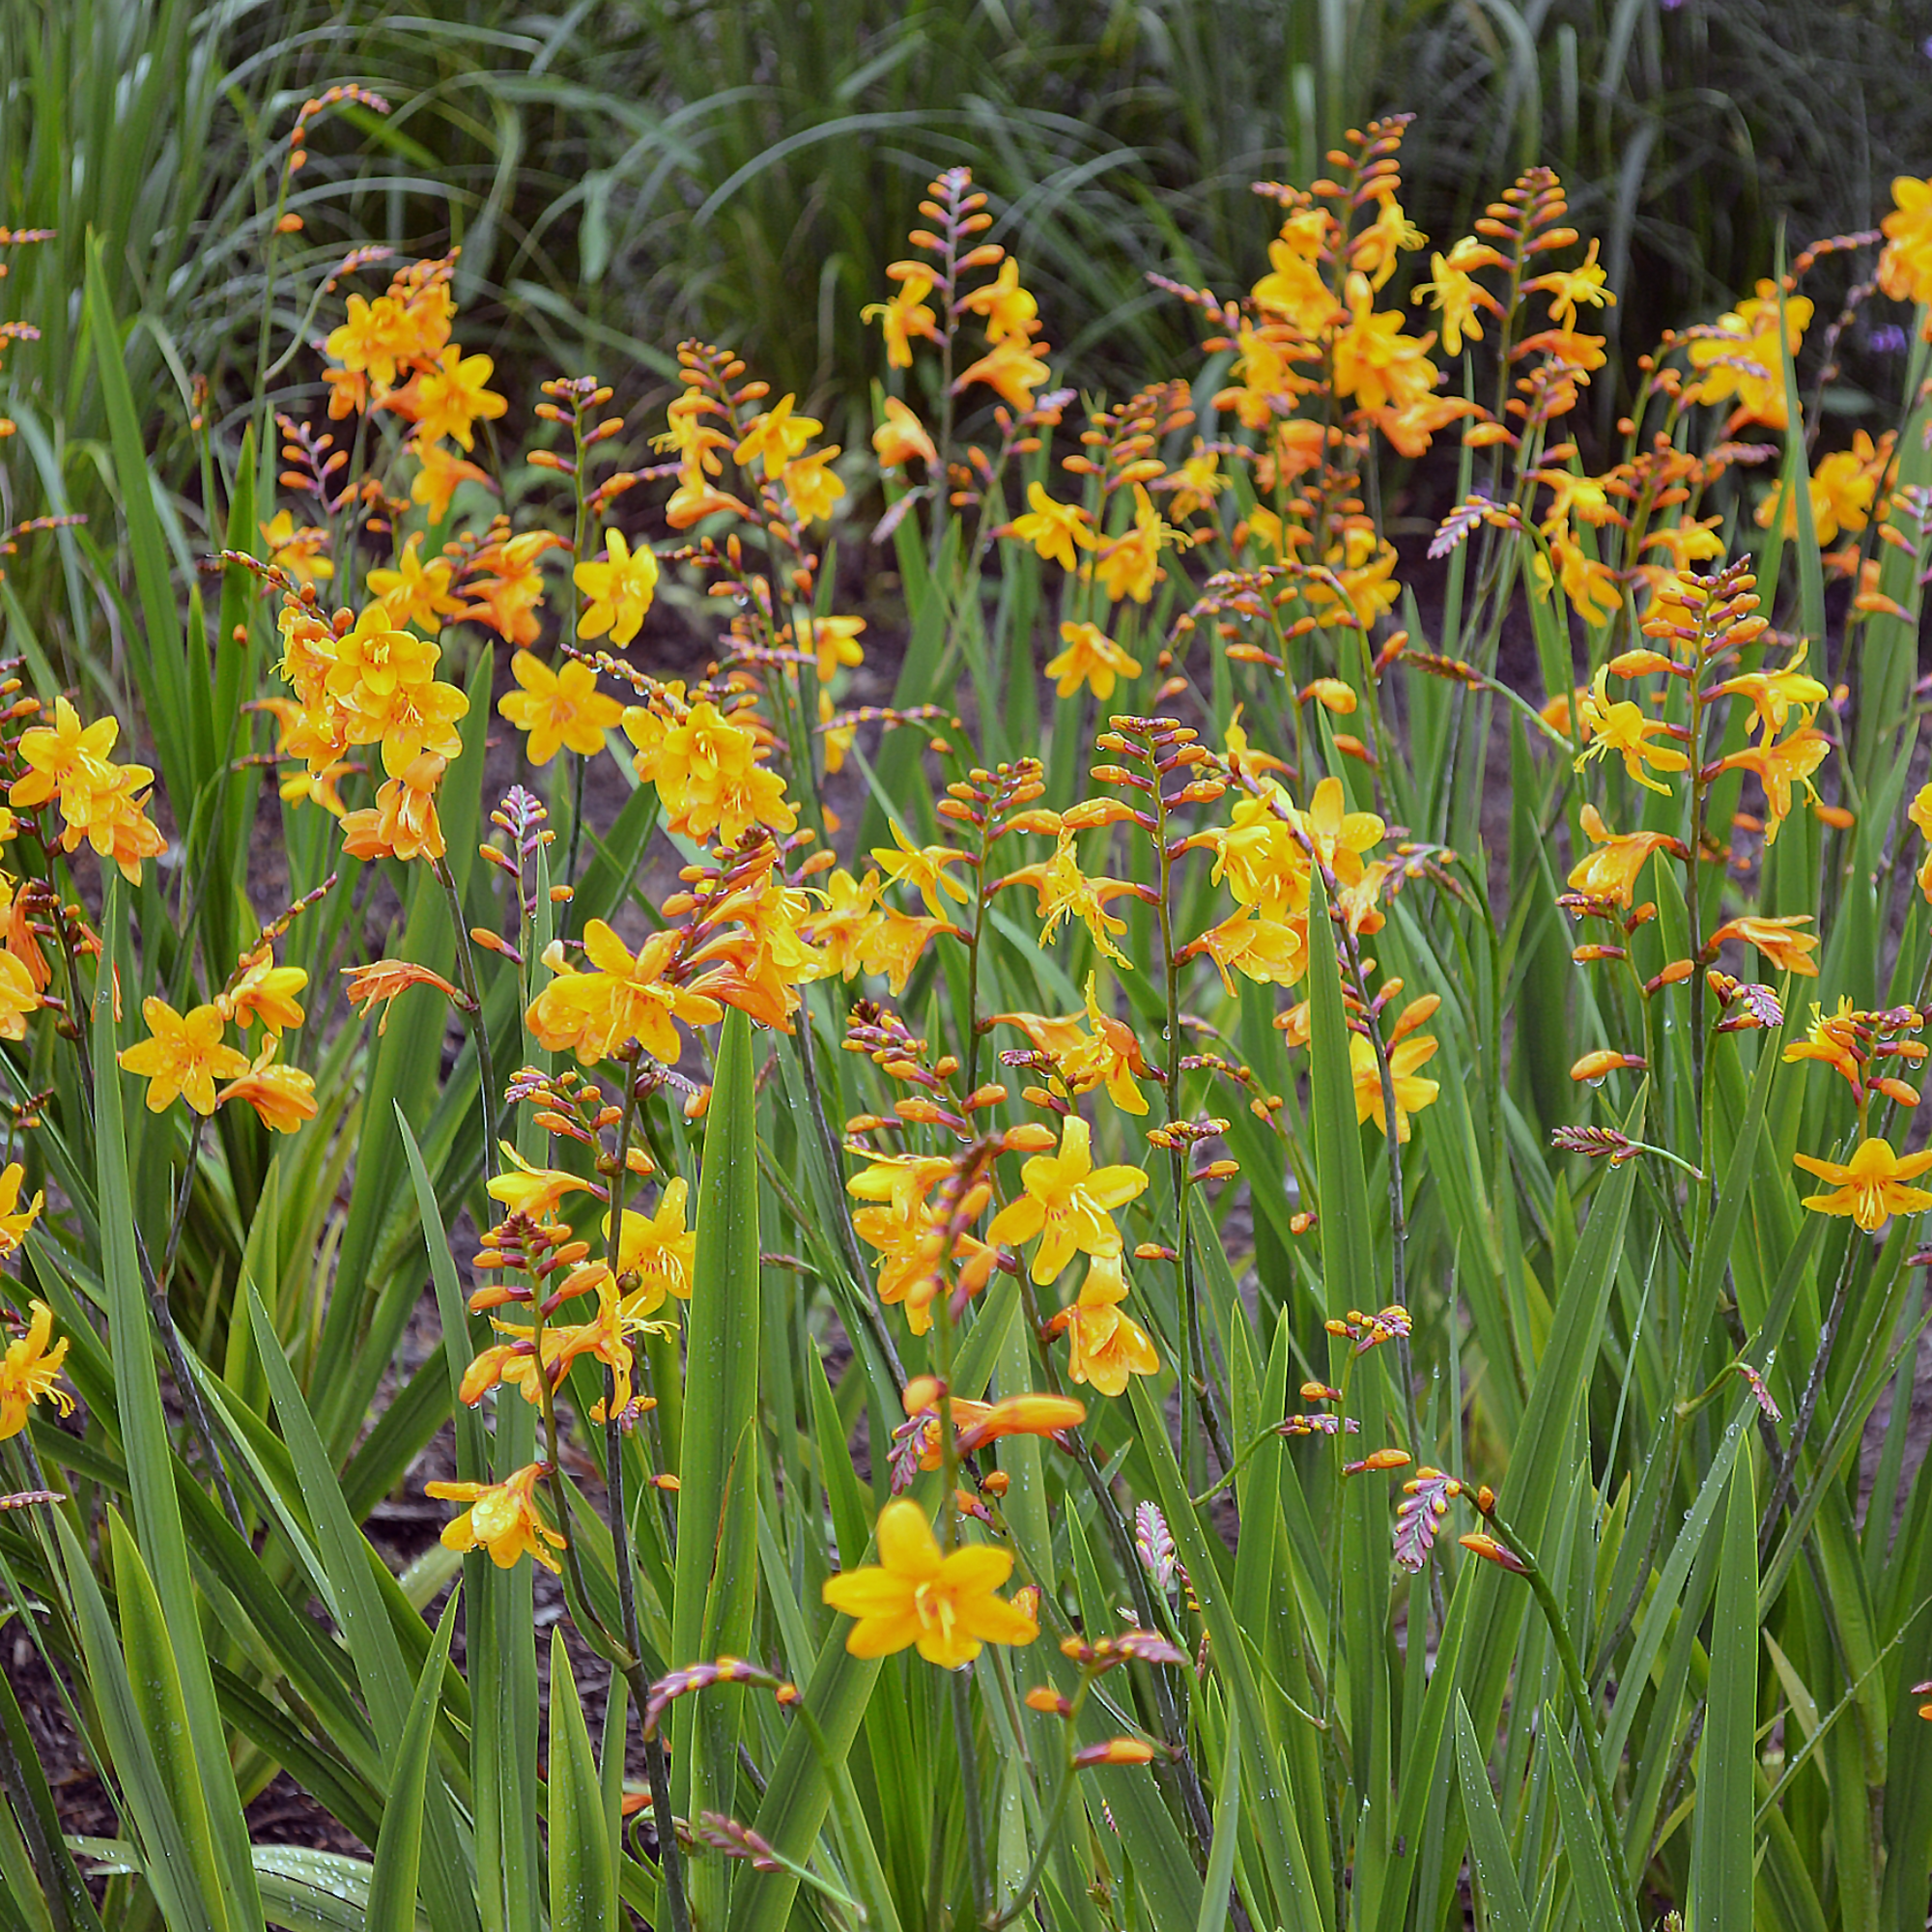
(466, 976)
(1815, 1387)
(1056, 1811)
(1580, 1697)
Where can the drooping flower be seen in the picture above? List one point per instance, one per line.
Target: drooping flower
(1777, 939)
(945, 1605)
(1106, 1345)
(922, 867)
(1870, 1187)
(283, 1097)
(775, 437)
(15, 1220)
(265, 992)
(1609, 870)
(906, 316)
(1090, 658)
(533, 1192)
(386, 979)
(901, 436)
(182, 1055)
(1621, 727)
(1905, 267)
(501, 1518)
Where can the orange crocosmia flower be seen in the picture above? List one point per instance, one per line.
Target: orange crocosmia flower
(1128, 565)
(1611, 870)
(945, 1605)
(1777, 939)
(451, 398)
(1834, 1040)
(501, 1518)
(1774, 692)
(902, 437)
(1375, 362)
(402, 823)
(1067, 1202)
(283, 1097)
(1740, 356)
(184, 1055)
(1066, 891)
(1013, 367)
(301, 552)
(1106, 1346)
(893, 941)
(775, 438)
(1870, 1187)
(623, 998)
(812, 487)
(1621, 727)
(416, 592)
(510, 593)
(561, 709)
(386, 979)
(30, 1364)
(1090, 658)
(1006, 308)
(834, 641)
(438, 471)
(621, 590)
(1780, 766)
(1271, 952)
(374, 339)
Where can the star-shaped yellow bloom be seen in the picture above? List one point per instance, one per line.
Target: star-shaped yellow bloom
(1870, 1187)
(561, 709)
(1067, 1202)
(184, 1055)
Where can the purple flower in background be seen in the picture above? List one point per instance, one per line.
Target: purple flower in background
(1887, 339)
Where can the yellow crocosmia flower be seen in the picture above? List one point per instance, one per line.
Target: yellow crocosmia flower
(452, 398)
(1259, 856)
(1774, 692)
(1056, 530)
(283, 1097)
(561, 709)
(374, 339)
(265, 992)
(621, 590)
(1835, 1040)
(707, 773)
(375, 657)
(1375, 362)
(922, 867)
(1109, 1057)
(18, 996)
(501, 1518)
(1568, 288)
(1090, 658)
(1007, 308)
(901, 436)
(834, 641)
(623, 998)
(838, 931)
(659, 1250)
(28, 1367)
(775, 437)
(913, 1596)
(1870, 1187)
(402, 824)
(812, 486)
(1295, 288)
(1340, 836)
(533, 1192)
(1842, 489)
(1067, 1202)
(1014, 368)
(1066, 893)
(1781, 765)
(184, 1055)
(411, 722)
(1740, 358)
(1611, 870)
(1362, 564)
(416, 592)
(439, 470)
(1592, 587)
(1622, 728)
(907, 315)
(1777, 939)
(1905, 267)
(1413, 1092)
(65, 756)
(15, 1220)
(1106, 1344)
(1379, 246)
(1128, 565)
(1455, 294)
(1270, 952)
(300, 551)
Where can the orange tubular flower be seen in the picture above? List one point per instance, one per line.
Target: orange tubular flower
(402, 823)
(184, 1055)
(386, 979)
(15, 1220)
(501, 1518)
(1069, 1202)
(1057, 532)
(922, 867)
(533, 1192)
(1870, 1187)
(913, 1596)
(1777, 939)
(265, 992)
(283, 1097)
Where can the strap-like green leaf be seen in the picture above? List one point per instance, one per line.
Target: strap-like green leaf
(393, 1879)
(1722, 1861)
(583, 1888)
